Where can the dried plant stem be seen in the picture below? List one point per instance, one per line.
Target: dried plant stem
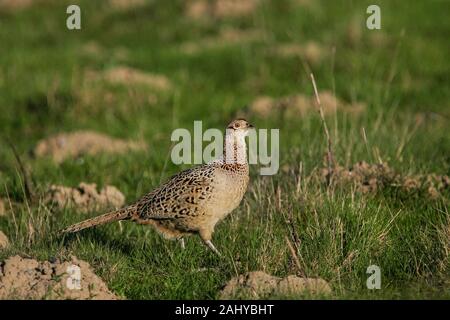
(295, 257)
(330, 155)
(16, 226)
(27, 179)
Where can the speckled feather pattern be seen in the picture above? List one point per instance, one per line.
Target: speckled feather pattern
(194, 200)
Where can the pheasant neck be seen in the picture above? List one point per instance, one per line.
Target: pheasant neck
(235, 151)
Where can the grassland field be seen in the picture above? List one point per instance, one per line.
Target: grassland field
(400, 75)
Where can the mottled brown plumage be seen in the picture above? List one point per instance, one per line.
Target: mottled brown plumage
(195, 200)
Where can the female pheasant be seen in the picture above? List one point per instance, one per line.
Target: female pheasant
(195, 200)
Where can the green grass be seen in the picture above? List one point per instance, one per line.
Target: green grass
(339, 233)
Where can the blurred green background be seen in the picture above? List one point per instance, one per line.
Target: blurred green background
(138, 70)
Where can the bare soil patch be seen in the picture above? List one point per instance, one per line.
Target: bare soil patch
(2, 208)
(96, 50)
(357, 34)
(371, 178)
(85, 197)
(201, 9)
(227, 36)
(16, 5)
(300, 105)
(79, 143)
(260, 285)
(304, 3)
(123, 5)
(311, 51)
(92, 48)
(22, 278)
(126, 76)
(4, 242)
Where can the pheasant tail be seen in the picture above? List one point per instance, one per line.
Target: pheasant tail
(121, 214)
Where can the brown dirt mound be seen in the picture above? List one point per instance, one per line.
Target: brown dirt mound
(371, 178)
(201, 9)
(304, 3)
(7, 206)
(356, 35)
(79, 143)
(311, 51)
(226, 36)
(4, 242)
(126, 4)
(30, 279)
(301, 105)
(260, 285)
(128, 76)
(16, 5)
(2, 208)
(85, 198)
(94, 49)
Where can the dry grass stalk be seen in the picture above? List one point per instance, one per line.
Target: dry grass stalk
(26, 176)
(330, 155)
(295, 257)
